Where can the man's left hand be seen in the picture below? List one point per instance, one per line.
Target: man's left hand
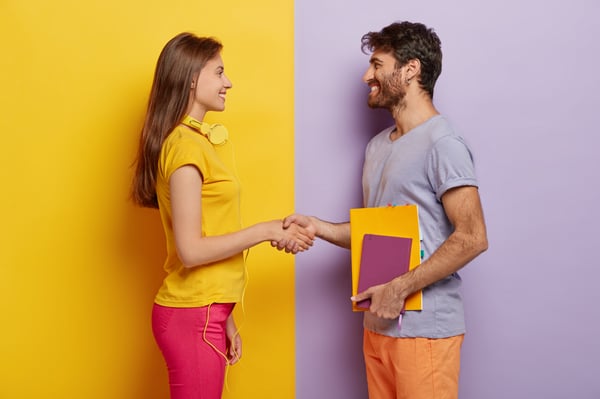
(386, 302)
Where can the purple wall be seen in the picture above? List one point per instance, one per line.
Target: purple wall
(521, 84)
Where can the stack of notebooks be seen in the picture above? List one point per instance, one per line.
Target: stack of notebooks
(385, 243)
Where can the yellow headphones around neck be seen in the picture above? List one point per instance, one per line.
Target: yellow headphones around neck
(216, 133)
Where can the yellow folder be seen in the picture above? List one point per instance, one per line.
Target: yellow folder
(399, 221)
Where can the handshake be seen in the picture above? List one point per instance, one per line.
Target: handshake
(296, 233)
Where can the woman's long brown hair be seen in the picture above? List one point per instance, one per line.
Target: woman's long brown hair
(179, 62)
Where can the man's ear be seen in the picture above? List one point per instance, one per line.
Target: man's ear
(413, 69)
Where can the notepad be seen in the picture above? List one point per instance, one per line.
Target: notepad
(383, 258)
(397, 221)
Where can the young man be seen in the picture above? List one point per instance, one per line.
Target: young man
(419, 160)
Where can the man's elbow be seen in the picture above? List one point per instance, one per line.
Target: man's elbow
(481, 244)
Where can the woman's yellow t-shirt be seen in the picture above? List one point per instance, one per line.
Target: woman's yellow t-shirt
(221, 281)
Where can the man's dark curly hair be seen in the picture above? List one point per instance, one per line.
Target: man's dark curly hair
(407, 41)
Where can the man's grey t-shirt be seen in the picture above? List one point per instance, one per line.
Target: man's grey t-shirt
(418, 168)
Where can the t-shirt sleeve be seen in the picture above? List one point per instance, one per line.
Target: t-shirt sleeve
(180, 152)
(450, 165)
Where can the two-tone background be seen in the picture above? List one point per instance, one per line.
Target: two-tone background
(80, 264)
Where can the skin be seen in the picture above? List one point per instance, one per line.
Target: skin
(207, 93)
(398, 90)
(209, 89)
(234, 342)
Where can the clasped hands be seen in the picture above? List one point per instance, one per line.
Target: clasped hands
(301, 234)
(387, 299)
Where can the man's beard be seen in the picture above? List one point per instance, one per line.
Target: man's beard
(390, 92)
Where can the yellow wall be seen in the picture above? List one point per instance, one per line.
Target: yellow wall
(80, 265)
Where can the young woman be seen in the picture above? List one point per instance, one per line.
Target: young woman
(186, 169)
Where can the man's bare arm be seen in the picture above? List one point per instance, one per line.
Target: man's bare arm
(335, 233)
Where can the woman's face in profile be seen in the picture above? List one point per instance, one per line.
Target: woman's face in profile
(210, 87)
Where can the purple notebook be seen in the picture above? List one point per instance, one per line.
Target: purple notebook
(383, 258)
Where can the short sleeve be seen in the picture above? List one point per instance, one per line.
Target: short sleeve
(450, 165)
(180, 150)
